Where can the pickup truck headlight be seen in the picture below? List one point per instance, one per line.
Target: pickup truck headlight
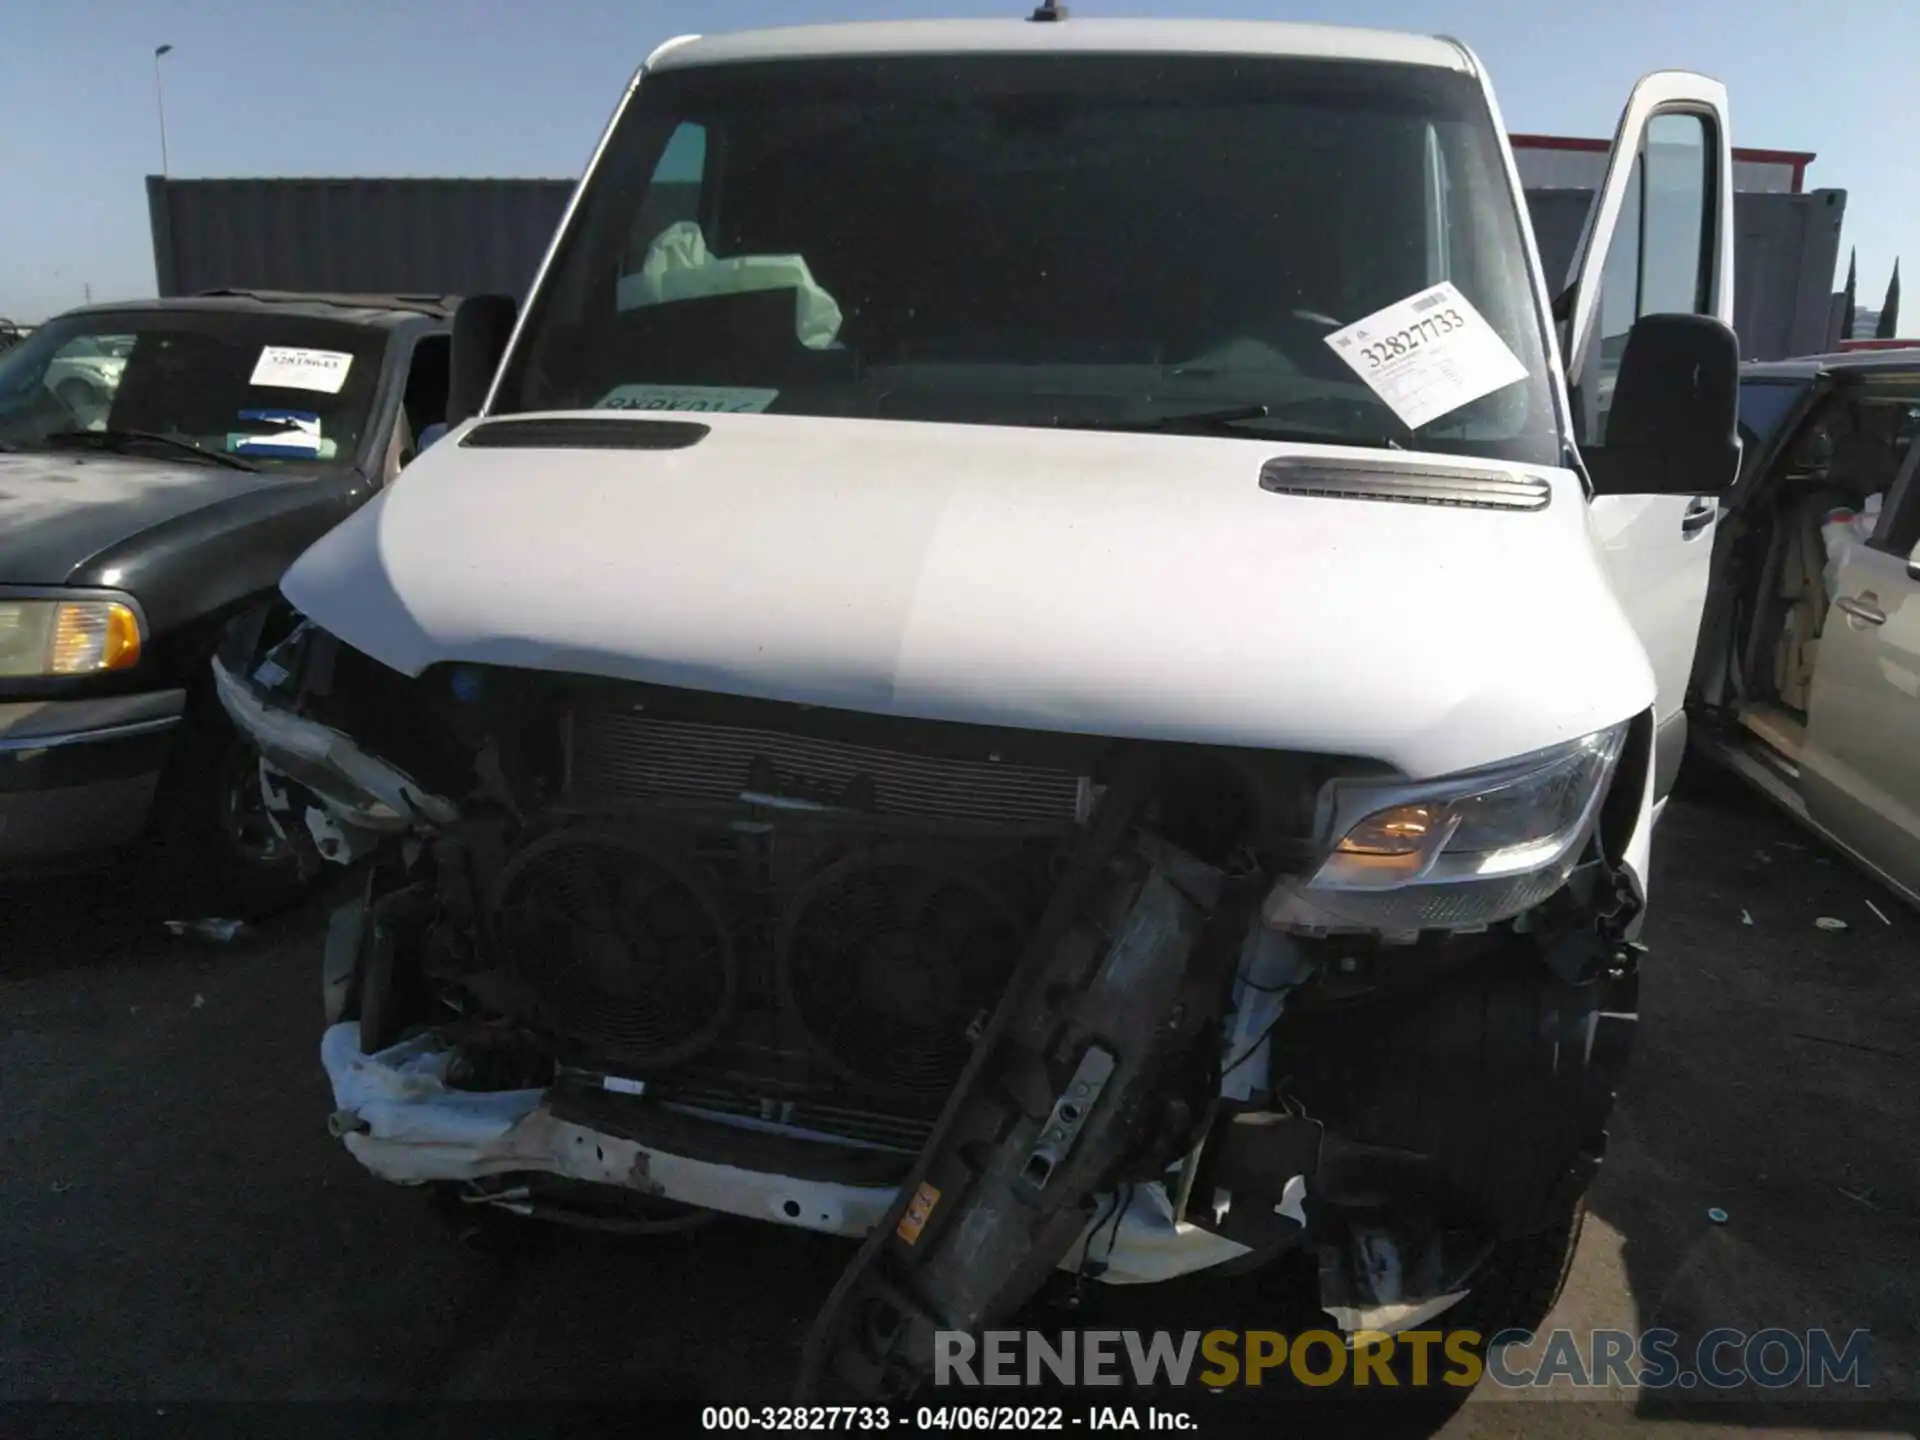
(42, 638)
(1455, 853)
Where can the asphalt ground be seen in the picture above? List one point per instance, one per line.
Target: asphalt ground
(176, 1226)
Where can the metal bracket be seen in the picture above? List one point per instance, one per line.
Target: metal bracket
(1069, 1115)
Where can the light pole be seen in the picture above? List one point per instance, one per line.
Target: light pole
(160, 100)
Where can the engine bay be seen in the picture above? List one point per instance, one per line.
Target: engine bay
(970, 996)
(780, 918)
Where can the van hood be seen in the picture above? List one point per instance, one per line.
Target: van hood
(1140, 586)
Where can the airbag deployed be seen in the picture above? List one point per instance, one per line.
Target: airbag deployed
(680, 267)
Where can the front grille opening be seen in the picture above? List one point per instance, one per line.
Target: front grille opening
(629, 755)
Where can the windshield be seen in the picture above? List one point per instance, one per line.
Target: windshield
(274, 390)
(1088, 240)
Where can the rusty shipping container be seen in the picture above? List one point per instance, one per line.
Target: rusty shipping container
(407, 236)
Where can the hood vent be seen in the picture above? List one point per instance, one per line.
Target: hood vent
(1377, 479)
(583, 434)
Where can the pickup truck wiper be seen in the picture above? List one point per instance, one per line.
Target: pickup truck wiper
(124, 442)
(1238, 421)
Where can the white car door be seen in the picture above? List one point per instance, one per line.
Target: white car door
(1657, 240)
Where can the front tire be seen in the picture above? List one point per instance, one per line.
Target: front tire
(1518, 1285)
(215, 828)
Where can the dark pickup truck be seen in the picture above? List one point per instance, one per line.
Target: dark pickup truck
(161, 464)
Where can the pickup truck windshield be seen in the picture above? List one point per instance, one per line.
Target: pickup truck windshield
(1091, 240)
(274, 391)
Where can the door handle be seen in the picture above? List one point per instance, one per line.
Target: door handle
(1862, 609)
(1698, 515)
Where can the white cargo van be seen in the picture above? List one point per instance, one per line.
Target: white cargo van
(1043, 647)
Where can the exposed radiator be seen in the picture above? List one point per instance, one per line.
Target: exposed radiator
(632, 755)
(906, 1134)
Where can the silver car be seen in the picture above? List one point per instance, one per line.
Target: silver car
(1807, 677)
(86, 372)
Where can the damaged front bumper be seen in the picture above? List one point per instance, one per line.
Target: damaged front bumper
(1166, 1081)
(357, 789)
(398, 1117)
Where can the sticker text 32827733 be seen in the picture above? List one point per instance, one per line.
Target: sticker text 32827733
(1427, 355)
(1403, 342)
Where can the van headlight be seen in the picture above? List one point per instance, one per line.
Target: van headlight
(1450, 854)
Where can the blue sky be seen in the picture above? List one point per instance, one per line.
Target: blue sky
(482, 87)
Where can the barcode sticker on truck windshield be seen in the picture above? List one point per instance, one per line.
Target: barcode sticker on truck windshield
(287, 367)
(727, 399)
(1428, 355)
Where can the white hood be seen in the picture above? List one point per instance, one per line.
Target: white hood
(1126, 585)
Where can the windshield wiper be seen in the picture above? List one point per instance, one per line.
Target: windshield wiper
(124, 442)
(1237, 421)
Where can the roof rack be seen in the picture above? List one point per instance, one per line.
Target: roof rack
(425, 304)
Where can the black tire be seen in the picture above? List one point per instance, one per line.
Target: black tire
(212, 823)
(1520, 1283)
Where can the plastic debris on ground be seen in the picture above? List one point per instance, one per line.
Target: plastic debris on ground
(1878, 914)
(1746, 917)
(1717, 1215)
(1831, 922)
(210, 929)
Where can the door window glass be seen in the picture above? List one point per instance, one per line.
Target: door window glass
(1674, 272)
(1659, 262)
(1764, 407)
(1899, 528)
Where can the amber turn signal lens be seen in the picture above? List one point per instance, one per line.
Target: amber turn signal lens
(93, 635)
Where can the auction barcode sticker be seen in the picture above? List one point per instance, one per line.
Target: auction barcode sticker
(1428, 355)
(288, 367)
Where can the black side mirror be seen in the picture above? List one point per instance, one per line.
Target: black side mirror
(482, 326)
(1673, 428)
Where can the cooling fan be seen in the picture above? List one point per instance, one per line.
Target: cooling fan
(625, 946)
(886, 960)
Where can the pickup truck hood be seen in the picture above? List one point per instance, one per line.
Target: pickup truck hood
(57, 511)
(1126, 585)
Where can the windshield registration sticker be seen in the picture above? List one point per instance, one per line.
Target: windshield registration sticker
(727, 399)
(286, 367)
(293, 434)
(1428, 355)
